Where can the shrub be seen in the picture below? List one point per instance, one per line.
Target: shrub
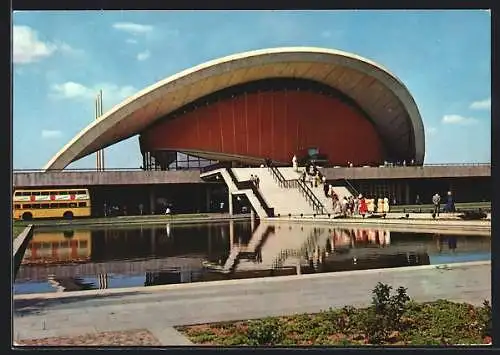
(265, 332)
(384, 315)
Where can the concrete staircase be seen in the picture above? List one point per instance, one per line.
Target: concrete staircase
(289, 174)
(233, 190)
(284, 201)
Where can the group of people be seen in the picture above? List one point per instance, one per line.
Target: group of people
(255, 179)
(312, 175)
(350, 206)
(449, 206)
(399, 163)
(345, 206)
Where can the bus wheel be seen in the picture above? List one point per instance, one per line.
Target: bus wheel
(68, 215)
(27, 216)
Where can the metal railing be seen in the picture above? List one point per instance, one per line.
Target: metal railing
(241, 185)
(351, 188)
(278, 177)
(310, 197)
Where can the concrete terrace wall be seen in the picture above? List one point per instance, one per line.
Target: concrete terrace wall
(413, 172)
(92, 178)
(89, 178)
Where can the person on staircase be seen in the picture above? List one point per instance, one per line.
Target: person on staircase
(326, 188)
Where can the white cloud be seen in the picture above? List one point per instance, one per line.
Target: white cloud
(481, 105)
(143, 55)
(28, 48)
(132, 28)
(457, 119)
(50, 134)
(111, 93)
(131, 41)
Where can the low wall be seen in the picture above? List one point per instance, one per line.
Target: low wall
(92, 178)
(408, 172)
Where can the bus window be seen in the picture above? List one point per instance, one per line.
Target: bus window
(53, 192)
(82, 204)
(26, 193)
(83, 244)
(17, 206)
(45, 205)
(45, 193)
(36, 193)
(63, 192)
(81, 192)
(72, 205)
(27, 206)
(54, 205)
(65, 244)
(35, 205)
(18, 194)
(63, 205)
(45, 245)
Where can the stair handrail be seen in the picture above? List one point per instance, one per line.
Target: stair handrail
(278, 176)
(351, 188)
(247, 184)
(311, 197)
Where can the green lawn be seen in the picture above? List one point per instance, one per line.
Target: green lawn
(429, 207)
(113, 220)
(390, 320)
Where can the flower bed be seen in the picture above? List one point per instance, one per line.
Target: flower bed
(390, 320)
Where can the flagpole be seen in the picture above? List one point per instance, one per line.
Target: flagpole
(96, 115)
(100, 114)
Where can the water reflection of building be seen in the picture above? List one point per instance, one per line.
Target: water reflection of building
(170, 254)
(295, 249)
(56, 247)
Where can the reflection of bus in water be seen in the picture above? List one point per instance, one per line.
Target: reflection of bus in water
(58, 247)
(51, 203)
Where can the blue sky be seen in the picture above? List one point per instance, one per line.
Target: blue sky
(61, 59)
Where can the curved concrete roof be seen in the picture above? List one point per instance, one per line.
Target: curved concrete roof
(378, 92)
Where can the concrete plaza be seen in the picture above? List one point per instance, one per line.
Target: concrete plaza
(159, 308)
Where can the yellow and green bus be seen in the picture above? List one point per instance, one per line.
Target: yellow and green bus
(51, 203)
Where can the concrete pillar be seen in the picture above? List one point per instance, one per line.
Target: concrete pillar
(407, 193)
(230, 203)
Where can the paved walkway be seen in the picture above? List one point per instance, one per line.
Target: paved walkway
(159, 308)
